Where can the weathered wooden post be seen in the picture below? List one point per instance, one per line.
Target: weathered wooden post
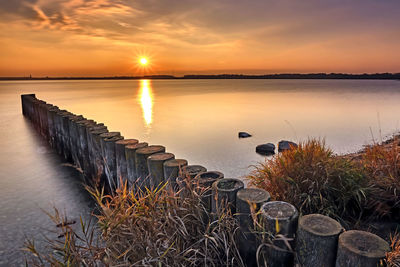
(51, 113)
(248, 203)
(107, 141)
(278, 218)
(31, 110)
(122, 171)
(65, 136)
(224, 194)
(50, 125)
(45, 127)
(193, 170)
(202, 183)
(316, 240)
(130, 155)
(94, 147)
(83, 154)
(172, 169)
(142, 169)
(361, 249)
(155, 164)
(41, 118)
(36, 118)
(74, 137)
(26, 101)
(187, 175)
(58, 131)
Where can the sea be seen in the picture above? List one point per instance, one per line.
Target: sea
(197, 120)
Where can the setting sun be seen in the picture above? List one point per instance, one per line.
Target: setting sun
(143, 61)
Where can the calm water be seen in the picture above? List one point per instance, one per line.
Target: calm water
(195, 119)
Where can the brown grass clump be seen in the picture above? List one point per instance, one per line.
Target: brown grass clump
(393, 257)
(382, 164)
(313, 179)
(156, 227)
(68, 246)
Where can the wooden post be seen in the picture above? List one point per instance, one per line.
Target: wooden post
(52, 125)
(45, 109)
(278, 218)
(26, 103)
(202, 185)
(83, 154)
(95, 155)
(155, 164)
(172, 168)
(249, 200)
(193, 170)
(36, 118)
(65, 136)
(142, 169)
(359, 248)
(107, 141)
(224, 194)
(130, 155)
(74, 138)
(122, 171)
(279, 213)
(188, 173)
(316, 240)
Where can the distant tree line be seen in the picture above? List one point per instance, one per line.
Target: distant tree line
(376, 76)
(365, 76)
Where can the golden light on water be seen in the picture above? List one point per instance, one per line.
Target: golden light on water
(146, 101)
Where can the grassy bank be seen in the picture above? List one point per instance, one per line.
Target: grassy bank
(354, 188)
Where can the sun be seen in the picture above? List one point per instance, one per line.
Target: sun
(143, 61)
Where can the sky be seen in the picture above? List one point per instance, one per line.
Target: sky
(107, 37)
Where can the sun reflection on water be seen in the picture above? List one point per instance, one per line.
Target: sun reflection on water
(146, 101)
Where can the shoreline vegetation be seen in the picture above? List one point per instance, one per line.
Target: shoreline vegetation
(162, 227)
(317, 76)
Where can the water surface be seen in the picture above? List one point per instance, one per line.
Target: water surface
(195, 119)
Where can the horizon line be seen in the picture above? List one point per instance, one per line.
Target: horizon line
(312, 75)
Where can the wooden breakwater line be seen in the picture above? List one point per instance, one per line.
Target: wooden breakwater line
(310, 240)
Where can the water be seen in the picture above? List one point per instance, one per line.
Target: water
(195, 119)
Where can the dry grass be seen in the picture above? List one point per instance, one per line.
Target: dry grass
(154, 227)
(393, 257)
(315, 180)
(382, 164)
(67, 247)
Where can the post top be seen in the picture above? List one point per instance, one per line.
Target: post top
(278, 210)
(364, 243)
(150, 150)
(176, 163)
(136, 146)
(320, 225)
(161, 156)
(253, 195)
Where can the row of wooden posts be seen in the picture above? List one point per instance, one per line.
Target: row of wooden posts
(311, 240)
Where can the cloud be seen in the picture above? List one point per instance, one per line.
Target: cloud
(286, 33)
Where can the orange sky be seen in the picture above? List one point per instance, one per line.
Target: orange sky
(106, 37)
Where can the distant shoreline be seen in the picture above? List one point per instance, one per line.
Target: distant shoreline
(312, 76)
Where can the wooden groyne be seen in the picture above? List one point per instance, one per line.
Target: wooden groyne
(283, 236)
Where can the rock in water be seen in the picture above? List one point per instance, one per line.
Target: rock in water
(266, 149)
(286, 145)
(244, 135)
